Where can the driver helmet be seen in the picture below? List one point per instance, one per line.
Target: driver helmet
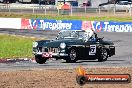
(89, 32)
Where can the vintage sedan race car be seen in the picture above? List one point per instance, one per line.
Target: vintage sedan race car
(73, 45)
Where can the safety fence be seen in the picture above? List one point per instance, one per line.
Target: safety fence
(72, 10)
(46, 24)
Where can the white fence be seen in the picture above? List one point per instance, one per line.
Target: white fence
(50, 9)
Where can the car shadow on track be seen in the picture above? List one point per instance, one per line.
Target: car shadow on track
(82, 61)
(115, 60)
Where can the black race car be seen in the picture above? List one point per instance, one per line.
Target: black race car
(73, 45)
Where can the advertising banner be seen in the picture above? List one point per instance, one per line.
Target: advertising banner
(92, 25)
(26, 24)
(13, 23)
(100, 26)
(39, 24)
(117, 26)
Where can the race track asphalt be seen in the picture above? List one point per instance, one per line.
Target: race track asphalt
(123, 57)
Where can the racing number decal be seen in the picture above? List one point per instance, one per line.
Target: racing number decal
(92, 50)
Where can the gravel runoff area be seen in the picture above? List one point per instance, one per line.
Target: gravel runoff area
(57, 78)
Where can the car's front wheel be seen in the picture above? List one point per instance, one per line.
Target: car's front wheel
(40, 59)
(72, 56)
(103, 55)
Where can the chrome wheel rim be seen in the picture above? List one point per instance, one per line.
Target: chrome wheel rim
(104, 54)
(73, 54)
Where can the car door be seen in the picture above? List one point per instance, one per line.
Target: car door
(81, 49)
(90, 49)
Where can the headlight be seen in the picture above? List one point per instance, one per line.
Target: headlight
(62, 45)
(35, 44)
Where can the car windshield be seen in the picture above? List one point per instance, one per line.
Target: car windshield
(71, 35)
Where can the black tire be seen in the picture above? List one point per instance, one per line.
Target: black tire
(72, 56)
(40, 59)
(81, 80)
(103, 55)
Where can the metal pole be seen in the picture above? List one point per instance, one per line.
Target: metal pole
(33, 9)
(85, 8)
(130, 9)
(21, 8)
(71, 10)
(99, 10)
(58, 11)
(9, 7)
(45, 10)
(114, 8)
(64, 12)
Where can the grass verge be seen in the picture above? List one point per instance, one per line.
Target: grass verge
(92, 17)
(12, 46)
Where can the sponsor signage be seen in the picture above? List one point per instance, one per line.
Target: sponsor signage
(26, 24)
(98, 26)
(117, 26)
(102, 26)
(47, 24)
(39, 24)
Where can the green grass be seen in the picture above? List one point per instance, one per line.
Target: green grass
(14, 46)
(90, 17)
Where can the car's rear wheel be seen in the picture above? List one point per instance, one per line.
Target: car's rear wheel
(40, 59)
(103, 55)
(72, 56)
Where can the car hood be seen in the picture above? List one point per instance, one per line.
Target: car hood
(41, 42)
(56, 43)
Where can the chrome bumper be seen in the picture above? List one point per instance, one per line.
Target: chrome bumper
(53, 54)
